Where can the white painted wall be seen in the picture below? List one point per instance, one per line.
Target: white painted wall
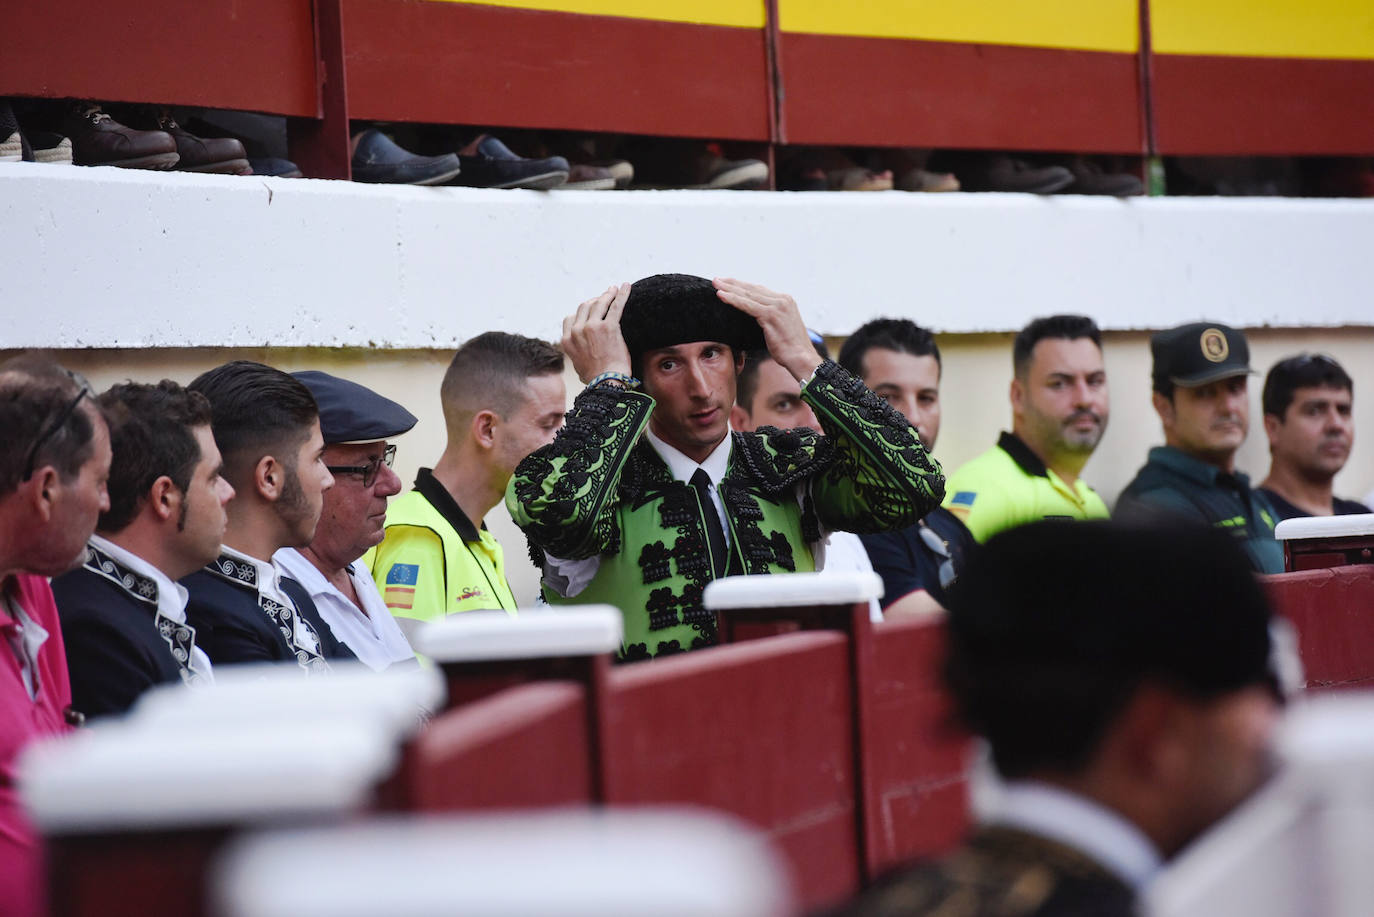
(122, 258)
(171, 274)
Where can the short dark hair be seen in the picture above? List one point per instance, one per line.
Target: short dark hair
(899, 334)
(1041, 667)
(1067, 327)
(1306, 370)
(254, 409)
(491, 369)
(150, 436)
(43, 420)
(747, 383)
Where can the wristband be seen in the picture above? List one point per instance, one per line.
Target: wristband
(629, 382)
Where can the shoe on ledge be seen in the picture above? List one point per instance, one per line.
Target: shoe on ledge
(489, 163)
(378, 160)
(99, 140)
(220, 155)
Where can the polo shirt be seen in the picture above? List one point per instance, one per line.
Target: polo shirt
(370, 632)
(907, 564)
(34, 696)
(1285, 510)
(1009, 486)
(433, 561)
(1173, 483)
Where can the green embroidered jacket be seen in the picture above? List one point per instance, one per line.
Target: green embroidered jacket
(600, 491)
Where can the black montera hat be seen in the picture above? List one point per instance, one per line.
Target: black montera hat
(353, 413)
(1198, 353)
(669, 309)
(1175, 603)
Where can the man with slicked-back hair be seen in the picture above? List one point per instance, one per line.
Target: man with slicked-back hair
(503, 397)
(267, 428)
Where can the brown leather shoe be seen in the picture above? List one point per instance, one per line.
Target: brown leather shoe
(224, 155)
(99, 140)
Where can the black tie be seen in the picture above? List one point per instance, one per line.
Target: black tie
(720, 558)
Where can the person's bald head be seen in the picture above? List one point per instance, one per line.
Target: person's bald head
(489, 373)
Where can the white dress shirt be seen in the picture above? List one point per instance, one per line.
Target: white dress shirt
(373, 635)
(1078, 822)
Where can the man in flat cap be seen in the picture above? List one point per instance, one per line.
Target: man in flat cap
(1125, 711)
(646, 496)
(356, 424)
(123, 613)
(1200, 378)
(503, 397)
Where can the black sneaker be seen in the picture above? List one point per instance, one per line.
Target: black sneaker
(489, 163)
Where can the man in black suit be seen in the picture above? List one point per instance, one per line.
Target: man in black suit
(267, 427)
(1121, 677)
(123, 616)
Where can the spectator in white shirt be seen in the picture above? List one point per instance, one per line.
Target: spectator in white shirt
(356, 423)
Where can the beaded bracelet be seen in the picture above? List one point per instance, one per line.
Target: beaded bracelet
(629, 382)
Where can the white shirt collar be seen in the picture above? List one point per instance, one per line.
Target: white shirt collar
(682, 468)
(171, 596)
(293, 563)
(1080, 823)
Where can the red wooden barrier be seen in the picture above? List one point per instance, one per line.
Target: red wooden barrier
(1333, 612)
(913, 757)
(468, 63)
(762, 729)
(525, 747)
(257, 55)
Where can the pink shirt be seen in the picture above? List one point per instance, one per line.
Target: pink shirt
(34, 695)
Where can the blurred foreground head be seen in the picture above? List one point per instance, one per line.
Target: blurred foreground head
(1128, 664)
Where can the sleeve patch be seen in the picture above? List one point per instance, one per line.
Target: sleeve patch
(963, 498)
(403, 575)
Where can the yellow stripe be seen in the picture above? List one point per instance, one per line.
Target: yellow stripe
(748, 14)
(1092, 25)
(1264, 28)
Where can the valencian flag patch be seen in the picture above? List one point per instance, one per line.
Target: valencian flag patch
(399, 590)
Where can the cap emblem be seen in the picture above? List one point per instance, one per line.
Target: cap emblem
(1214, 346)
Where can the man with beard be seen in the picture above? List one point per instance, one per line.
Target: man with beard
(123, 614)
(1308, 403)
(1059, 405)
(356, 423)
(267, 428)
(1201, 395)
(1125, 711)
(54, 459)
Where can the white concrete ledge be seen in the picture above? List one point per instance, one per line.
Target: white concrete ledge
(792, 590)
(556, 864)
(1303, 528)
(480, 636)
(113, 258)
